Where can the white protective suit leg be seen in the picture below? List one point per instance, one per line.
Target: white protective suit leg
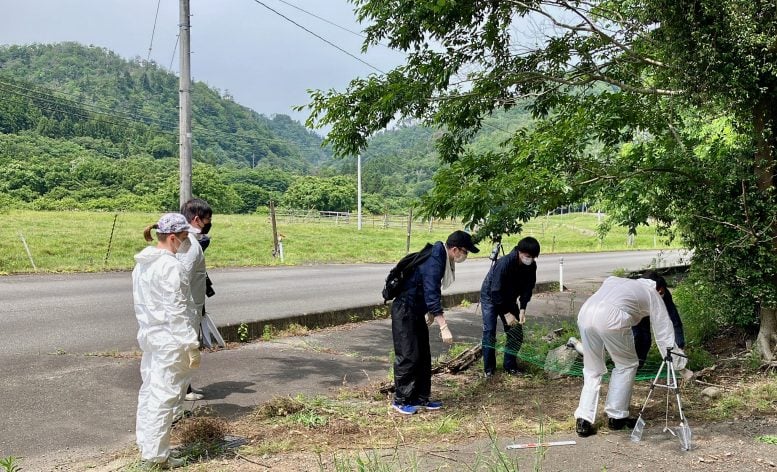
(593, 322)
(165, 375)
(593, 365)
(620, 345)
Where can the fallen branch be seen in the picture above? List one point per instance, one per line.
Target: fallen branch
(710, 384)
(239, 456)
(453, 366)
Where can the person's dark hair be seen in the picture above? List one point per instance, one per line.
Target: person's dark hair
(196, 207)
(529, 245)
(653, 275)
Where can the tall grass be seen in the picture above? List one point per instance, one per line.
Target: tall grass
(79, 241)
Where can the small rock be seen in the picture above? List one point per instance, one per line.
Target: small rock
(560, 361)
(711, 393)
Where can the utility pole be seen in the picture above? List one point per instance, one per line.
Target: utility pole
(185, 105)
(359, 192)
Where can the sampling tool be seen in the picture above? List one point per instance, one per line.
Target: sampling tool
(671, 386)
(541, 444)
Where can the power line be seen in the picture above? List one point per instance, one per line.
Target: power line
(318, 36)
(153, 30)
(175, 47)
(331, 22)
(322, 19)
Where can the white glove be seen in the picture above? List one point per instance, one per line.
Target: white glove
(510, 319)
(194, 358)
(429, 319)
(447, 337)
(522, 316)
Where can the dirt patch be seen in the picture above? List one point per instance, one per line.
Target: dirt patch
(357, 431)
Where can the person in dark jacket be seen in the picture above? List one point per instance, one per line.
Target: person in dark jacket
(417, 307)
(642, 337)
(505, 293)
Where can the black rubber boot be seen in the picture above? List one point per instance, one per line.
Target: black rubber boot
(584, 428)
(616, 424)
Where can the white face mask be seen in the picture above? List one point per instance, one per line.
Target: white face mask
(460, 257)
(183, 245)
(526, 260)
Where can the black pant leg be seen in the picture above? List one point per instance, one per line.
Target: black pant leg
(406, 353)
(424, 379)
(512, 346)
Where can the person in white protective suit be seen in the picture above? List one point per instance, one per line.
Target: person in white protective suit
(605, 322)
(166, 335)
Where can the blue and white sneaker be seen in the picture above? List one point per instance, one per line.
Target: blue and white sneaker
(404, 409)
(430, 405)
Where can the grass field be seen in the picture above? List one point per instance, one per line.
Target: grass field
(80, 241)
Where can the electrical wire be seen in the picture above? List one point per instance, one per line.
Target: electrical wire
(153, 30)
(322, 19)
(318, 36)
(333, 23)
(175, 48)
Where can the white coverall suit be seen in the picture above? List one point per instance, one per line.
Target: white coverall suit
(194, 263)
(163, 306)
(605, 322)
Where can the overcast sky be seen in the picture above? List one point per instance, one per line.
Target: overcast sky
(265, 62)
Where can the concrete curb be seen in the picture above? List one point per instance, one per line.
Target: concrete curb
(255, 329)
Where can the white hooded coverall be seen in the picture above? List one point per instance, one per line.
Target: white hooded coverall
(194, 263)
(163, 306)
(605, 322)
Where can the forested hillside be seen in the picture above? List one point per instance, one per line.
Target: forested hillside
(83, 128)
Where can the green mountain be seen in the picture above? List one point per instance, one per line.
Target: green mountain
(83, 128)
(69, 90)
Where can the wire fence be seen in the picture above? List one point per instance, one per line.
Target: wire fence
(285, 215)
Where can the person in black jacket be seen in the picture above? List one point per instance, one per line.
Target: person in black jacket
(505, 293)
(642, 337)
(417, 307)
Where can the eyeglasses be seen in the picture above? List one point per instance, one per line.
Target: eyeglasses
(463, 250)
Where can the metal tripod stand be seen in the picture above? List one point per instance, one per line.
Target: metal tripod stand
(683, 431)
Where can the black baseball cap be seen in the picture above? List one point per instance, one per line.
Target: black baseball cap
(461, 239)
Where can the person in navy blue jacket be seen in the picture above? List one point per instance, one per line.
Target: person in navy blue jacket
(417, 307)
(504, 294)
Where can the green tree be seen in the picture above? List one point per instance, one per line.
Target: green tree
(662, 111)
(324, 194)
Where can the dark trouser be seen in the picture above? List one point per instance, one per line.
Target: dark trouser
(642, 339)
(412, 356)
(514, 337)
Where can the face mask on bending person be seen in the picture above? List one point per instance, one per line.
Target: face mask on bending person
(460, 256)
(526, 260)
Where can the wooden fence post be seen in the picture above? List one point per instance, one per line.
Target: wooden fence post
(409, 228)
(275, 250)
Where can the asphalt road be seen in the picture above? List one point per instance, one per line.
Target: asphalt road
(92, 313)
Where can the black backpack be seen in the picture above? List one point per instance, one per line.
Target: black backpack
(404, 269)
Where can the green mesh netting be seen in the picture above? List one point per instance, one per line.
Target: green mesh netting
(534, 355)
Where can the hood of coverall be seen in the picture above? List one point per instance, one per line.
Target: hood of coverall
(150, 254)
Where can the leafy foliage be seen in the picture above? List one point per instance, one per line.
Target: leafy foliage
(333, 193)
(660, 112)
